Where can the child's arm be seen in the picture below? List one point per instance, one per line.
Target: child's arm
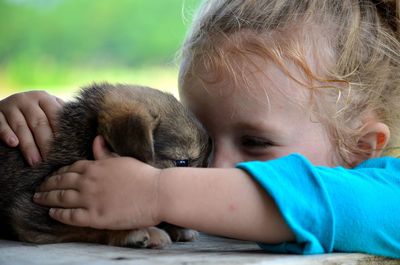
(28, 120)
(123, 193)
(223, 202)
(327, 209)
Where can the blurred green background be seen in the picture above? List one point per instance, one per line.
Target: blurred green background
(61, 45)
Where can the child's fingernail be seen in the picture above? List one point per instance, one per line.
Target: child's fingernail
(12, 141)
(51, 211)
(36, 196)
(34, 160)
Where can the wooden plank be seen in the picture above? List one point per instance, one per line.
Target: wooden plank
(206, 250)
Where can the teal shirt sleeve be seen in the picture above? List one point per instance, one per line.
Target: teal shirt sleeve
(334, 209)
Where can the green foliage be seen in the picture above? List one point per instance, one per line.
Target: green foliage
(43, 42)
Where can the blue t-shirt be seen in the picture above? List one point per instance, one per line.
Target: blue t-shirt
(334, 209)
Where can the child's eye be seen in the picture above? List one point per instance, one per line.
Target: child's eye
(253, 142)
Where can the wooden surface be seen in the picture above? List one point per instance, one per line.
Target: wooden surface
(206, 250)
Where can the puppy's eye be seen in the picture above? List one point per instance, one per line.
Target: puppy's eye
(182, 163)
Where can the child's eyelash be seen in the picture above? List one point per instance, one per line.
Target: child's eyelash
(255, 142)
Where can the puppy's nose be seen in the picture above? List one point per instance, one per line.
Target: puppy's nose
(182, 163)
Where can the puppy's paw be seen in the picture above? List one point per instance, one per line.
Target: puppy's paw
(138, 238)
(179, 234)
(158, 238)
(186, 235)
(151, 237)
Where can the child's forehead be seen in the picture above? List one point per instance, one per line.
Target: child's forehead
(285, 64)
(229, 56)
(256, 81)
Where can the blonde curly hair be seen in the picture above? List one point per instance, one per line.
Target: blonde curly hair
(356, 42)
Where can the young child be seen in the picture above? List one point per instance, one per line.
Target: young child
(300, 99)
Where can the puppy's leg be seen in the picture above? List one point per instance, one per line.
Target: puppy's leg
(139, 238)
(179, 233)
(151, 237)
(31, 224)
(53, 232)
(158, 238)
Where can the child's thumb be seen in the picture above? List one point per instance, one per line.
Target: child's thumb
(100, 150)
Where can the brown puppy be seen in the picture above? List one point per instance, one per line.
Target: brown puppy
(141, 122)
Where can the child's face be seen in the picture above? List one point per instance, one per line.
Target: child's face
(246, 124)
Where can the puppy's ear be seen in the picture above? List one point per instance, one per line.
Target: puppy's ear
(129, 131)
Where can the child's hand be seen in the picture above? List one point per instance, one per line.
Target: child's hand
(111, 193)
(27, 120)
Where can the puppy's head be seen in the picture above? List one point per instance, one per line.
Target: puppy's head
(153, 127)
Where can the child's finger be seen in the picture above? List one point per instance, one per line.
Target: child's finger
(51, 106)
(59, 198)
(77, 167)
(80, 166)
(100, 150)
(40, 127)
(76, 217)
(7, 135)
(69, 180)
(26, 141)
(61, 170)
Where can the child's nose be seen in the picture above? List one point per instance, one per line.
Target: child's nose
(221, 163)
(224, 157)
